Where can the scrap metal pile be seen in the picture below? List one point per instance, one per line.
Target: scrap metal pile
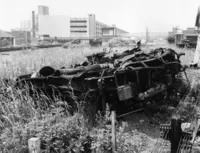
(123, 80)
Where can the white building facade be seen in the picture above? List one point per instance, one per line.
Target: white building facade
(74, 27)
(25, 25)
(54, 25)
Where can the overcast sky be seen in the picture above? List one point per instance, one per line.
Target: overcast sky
(130, 15)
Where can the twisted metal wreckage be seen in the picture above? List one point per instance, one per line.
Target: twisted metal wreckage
(123, 80)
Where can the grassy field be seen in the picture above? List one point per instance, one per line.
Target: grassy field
(19, 120)
(27, 61)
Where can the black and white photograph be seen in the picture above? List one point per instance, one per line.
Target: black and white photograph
(107, 76)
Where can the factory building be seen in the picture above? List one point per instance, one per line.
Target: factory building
(190, 33)
(80, 28)
(21, 36)
(62, 26)
(112, 31)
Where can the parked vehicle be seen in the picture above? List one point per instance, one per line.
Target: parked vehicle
(186, 43)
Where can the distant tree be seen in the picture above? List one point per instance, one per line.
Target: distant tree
(171, 39)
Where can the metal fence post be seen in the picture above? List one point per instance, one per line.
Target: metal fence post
(175, 133)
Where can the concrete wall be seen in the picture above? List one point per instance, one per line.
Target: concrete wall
(25, 25)
(92, 25)
(54, 26)
(21, 37)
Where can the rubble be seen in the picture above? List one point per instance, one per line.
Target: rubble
(123, 80)
(116, 42)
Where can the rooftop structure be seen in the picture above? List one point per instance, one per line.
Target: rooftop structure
(43, 10)
(6, 39)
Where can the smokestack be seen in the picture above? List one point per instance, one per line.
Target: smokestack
(33, 24)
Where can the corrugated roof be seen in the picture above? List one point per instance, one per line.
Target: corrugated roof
(4, 35)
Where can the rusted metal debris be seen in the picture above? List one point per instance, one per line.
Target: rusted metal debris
(123, 80)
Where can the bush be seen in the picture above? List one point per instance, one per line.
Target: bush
(171, 39)
(58, 131)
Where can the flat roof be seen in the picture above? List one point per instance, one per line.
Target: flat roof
(5, 35)
(191, 34)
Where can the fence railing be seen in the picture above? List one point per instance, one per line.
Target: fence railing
(17, 48)
(180, 140)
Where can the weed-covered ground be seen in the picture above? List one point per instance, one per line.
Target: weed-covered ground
(61, 131)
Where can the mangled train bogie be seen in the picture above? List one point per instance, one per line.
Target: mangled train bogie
(124, 82)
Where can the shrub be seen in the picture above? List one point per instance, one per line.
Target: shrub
(58, 131)
(171, 39)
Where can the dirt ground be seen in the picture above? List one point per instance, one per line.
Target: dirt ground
(147, 123)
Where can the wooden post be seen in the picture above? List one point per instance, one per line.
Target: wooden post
(175, 133)
(102, 94)
(113, 120)
(34, 145)
(196, 128)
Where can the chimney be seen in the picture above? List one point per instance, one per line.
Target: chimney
(33, 24)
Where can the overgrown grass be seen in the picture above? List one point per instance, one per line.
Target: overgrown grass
(23, 62)
(58, 130)
(27, 61)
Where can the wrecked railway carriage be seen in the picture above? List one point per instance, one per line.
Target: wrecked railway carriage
(123, 80)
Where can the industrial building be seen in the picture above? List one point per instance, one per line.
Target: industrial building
(110, 32)
(63, 26)
(43, 25)
(21, 36)
(190, 33)
(6, 39)
(82, 28)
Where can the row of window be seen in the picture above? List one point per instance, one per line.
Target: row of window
(98, 30)
(101, 25)
(78, 21)
(82, 31)
(78, 24)
(78, 29)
